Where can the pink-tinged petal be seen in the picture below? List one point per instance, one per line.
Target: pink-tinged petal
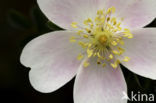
(96, 84)
(138, 13)
(142, 51)
(52, 59)
(64, 12)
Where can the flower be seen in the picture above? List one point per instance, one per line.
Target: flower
(99, 35)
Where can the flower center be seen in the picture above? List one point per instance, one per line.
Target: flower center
(102, 38)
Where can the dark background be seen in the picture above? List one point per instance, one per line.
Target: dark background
(20, 22)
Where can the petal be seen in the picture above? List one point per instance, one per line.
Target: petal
(52, 59)
(96, 84)
(141, 49)
(138, 13)
(64, 12)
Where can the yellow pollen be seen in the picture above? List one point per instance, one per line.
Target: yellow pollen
(102, 38)
(82, 44)
(88, 30)
(108, 18)
(74, 24)
(115, 52)
(121, 42)
(99, 12)
(79, 32)
(86, 64)
(111, 56)
(89, 52)
(72, 39)
(85, 36)
(114, 43)
(103, 65)
(80, 56)
(115, 65)
(126, 59)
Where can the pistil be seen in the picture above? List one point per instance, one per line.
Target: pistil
(103, 39)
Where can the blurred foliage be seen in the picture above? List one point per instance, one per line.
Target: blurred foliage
(18, 20)
(38, 21)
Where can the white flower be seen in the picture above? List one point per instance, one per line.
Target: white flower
(108, 32)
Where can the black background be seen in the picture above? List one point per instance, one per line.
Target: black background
(20, 22)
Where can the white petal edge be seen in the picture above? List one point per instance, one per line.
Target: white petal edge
(138, 13)
(52, 59)
(96, 84)
(142, 51)
(64, 12)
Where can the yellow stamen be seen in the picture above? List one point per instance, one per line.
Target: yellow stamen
(79, 32)
(121, 42)
(85, 36)
(74, 24)
(99, 12)
(86, 64)
(115, 52)
(111, 56)
(102, 38)
(88, 30)
(126, 59)
(108, 18)
(72, 39)
(115, 65)
(103, 65)
(80, 56)
(86, 22)
(89, 52)
(82, 44)
(114, 43)
(121, 50)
